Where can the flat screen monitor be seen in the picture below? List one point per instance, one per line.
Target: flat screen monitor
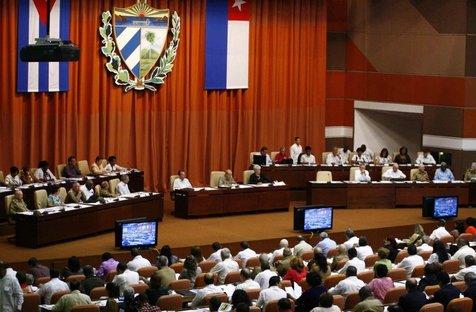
(445, 207)
(139, 233)
(313, 218)
(259, 160)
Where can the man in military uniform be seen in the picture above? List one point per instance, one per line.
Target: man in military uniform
(421, 175)
(17, 205)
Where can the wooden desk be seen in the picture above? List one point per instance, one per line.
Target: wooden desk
(34, 231)
(384, 195)
(190, 203)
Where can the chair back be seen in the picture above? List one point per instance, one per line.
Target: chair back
(461, 285)
(467, 237)
(63, 194)
(233, 277)
(83, 166)
(147, 271)
(412, 171)
(113, 185)
(200, 280)
(57, 296)
(8, 201)
(140, 288)
(171, 181)
(75, 278)
(31, 303)
(425, 255)
(110, 276)
(397, 274)
(324, 157)
(370, 260)
(366, 276)
(351, 301)
(460, 304)
(402, 254)
(252, 262)
(431, 290)
(86, 308)
(246, 176)
(394, 294)
(181, 284)
(307, 255)
(42, 280)
(352, 171)
(451, 266)
(97, 189)
(215, 176)
(59, 169)
(271, 306)
(385, 169)
(255, 309)
(432, 307)
(253, 154)
(448, 239)
(221, 296)
(339, 301)
(207, 265)
(170, 303)
(253, 293)
(98, 292)
(40, 197)
(2, 177)
(333, 280)
(418, 271)
(273, 155)
(332, 253)
(177, 267)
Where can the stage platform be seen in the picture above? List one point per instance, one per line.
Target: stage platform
(263, 230)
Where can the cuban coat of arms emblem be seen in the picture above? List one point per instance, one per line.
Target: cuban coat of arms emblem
(136, 38)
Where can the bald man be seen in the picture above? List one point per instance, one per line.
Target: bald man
(227, 180)
(394, 174)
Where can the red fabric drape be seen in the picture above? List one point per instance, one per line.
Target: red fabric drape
(181, 125)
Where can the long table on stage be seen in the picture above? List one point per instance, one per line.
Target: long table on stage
(296, 176)
(384, 194)
(201, 202)
(136, 184)
(75, 221)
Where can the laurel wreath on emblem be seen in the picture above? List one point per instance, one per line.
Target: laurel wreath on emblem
(121, 76)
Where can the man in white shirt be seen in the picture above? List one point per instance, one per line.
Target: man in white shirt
(122, 187)
(425, 158)
(333, 159)
(43, 173)
(279, 252)
(226, 266)
(181, 182)
(295, 150)
(11, 294)
(440, 231)
(262, 278)
(360, 158)
(393, 174)
(246, 281)
(124, 276)
(13, 178)
(352, 240)
(361, 174)
(345, 155)
(264, 152)
(47, 290)
(112, 165)
(307, 158)
(363, 250)
(216, 255)
(87, 189)
(348, 285)
(367, 152)
(463, 251)
(137, 261)
(470, 267)
(425, 247)
(271, 293)
(245, 253)
(354, 261)
(410, 262)
(302, 246)
(210, 288)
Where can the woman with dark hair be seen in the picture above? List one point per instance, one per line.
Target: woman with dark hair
(43, 173)
(190, 269)
(439, 254)
(310, 298)
(197, 253)
(392, 246)
(384, 158)
(156, 290)
(403, 158)
(240, 296)
(25, 175)
(112, 295)
(429, 279)
(72, 268)
(320, 266)
(166, 251)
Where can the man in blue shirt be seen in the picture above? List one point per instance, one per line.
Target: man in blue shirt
(443, 173)
(326, 243)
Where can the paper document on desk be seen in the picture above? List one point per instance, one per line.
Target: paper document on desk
(279, 183)
(245, 186)
(197, 189)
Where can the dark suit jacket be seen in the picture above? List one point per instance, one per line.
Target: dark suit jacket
(90, 283)
(309, 299)
(446, 294)
(254, 179)
(412, 301)
(471, 293)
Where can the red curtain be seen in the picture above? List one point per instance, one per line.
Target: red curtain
(181, 126)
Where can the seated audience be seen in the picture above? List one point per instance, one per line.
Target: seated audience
(71, 170)
(167, 252)
(295, 150)
(361, 174)
(368, 153)
(283, 265)
(326, 244)
(13, 178)
(383, 259)
(279, 252)
(345, 155)
(368, 303)
(351, 239)
(137, 261)
(226, 266)
(216, 255)
(37, 269)
(302, 246)
(190, 269)
(125, 277)
(420, 175)
(381, 283)
(359, 158)
(413, 300)
(463, 251)
(391, 244)
(25, 175)
(440, 231)
(240, 297)
(75, 298)
(54, 199)
(264, 152)
(47, 290)
(246, 280)
(363, 250)
(156, 289)
(76, 195)
(97, 167)
(11, 294)
(297, 272)
(26, 283)
(410, 262)
(354, 261)
(429, 279)
(326, 304)
(262, 278)
(319, 265)
(17, 205)
(425, 158)
(181, 182)
(470, 174)
(470, 268)
(272, 293)
(227, 180)
(210, 288)
(402, 157)
(143, 305)
(91, 281)
(285, 305)
(447, 291)
(425, 247)
(470, 292)
(245, 253)
(348, 285)
(443, 173)
(310, 298)
(393, 174)
(439, 254)
(108, 264)
(112, 165)
(73, 267)
(104, 191)
(43, 173)
(196, 252)
(214, 304)
(384, 157)
(122, 187)
(307, 158)
(88, 191)
(333, 159)
(257, 177)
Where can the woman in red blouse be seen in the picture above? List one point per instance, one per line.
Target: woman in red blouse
(297, 272)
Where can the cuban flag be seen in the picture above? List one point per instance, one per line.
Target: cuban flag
(227, 44)
(42, 76)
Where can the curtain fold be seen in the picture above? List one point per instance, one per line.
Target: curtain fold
(182, 126)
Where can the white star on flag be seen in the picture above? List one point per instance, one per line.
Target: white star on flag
(238, 4)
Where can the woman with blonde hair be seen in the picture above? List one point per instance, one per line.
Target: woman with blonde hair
(297, 271)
